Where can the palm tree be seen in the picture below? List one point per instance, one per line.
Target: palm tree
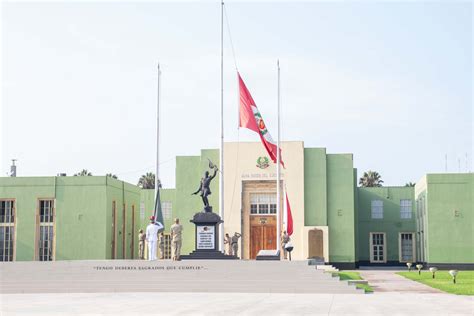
(82, 173)
(410, 184)
(111, 175)
(371, 179)
(147, 181)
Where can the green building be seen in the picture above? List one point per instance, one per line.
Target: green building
(334, 221)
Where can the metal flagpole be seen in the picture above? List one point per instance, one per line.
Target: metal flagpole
(278, 215)
(221, 148)
(157, 174)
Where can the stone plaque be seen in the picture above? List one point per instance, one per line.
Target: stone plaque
(205, 237)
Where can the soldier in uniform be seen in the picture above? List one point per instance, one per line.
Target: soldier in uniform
(176, 235)
(227, 241)
(161, 245)
(285, 238)
(141, 244)
(235, 243)
(152, 237)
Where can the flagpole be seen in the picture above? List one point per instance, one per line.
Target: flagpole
(157, 173)
(221, 149)
(278, 215)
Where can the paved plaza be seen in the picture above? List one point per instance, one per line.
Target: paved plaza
(234, 304)
(210, 288)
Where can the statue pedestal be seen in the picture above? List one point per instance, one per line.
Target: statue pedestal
(207, 237)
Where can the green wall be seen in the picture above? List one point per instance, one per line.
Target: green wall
(315, 190)
(391, 224)
(450, 218)
(340, 208)
(83, 217)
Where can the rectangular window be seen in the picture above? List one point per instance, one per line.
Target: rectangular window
(7, 229)
(377, 209)
(263, 203)
(405, 209)
(167, 208)
(46, 230)
(406, 247)
(377, 247)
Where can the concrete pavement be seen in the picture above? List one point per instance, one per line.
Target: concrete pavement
(234, 304)
(384, 281)
(122, 287)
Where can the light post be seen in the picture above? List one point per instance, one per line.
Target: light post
(419, 267)
(433, 271)
(453, 274)
(409, 264)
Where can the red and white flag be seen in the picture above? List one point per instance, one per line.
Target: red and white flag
(289, 217)
(250, 117)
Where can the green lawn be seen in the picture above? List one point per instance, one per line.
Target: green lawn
(443, 281)
(344, 276)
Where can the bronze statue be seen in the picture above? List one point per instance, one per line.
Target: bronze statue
(204, 186)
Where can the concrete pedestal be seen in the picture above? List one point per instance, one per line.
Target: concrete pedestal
(207, 237)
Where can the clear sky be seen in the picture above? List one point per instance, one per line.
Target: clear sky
(390, 82)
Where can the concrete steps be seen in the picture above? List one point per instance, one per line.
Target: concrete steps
(167, 276)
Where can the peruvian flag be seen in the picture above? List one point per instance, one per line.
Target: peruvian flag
(250, 117)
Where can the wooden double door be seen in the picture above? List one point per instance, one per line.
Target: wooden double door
(262, 234)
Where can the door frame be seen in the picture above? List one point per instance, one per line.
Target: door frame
(413, 246)
(384, 245)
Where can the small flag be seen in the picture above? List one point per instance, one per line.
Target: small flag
(158, 214)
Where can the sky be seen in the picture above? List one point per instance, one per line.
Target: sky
(390, 82)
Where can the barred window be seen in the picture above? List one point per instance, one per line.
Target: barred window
(405, 209)
(263, 203)
(406, 246)
(46, 230)
(7, 229)
(377, 209)
(167, 208)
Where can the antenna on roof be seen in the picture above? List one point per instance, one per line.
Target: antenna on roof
(13, 168)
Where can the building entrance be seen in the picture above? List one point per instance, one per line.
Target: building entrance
(259, 221)
(262, 234)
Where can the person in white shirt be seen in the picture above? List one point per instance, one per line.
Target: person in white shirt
(152, 238)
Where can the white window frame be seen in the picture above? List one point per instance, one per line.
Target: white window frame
(406, 211)
(51, 226)
(10, 225)
(270, 196)
(384, 245)
(413, 247)
(376, 209)
(167, 208)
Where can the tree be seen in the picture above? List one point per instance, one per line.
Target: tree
(147, 181)
(83, 173)
(111, 175)
(410, 184)
(371, 179)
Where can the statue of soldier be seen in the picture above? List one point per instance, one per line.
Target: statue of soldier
(204, 186)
